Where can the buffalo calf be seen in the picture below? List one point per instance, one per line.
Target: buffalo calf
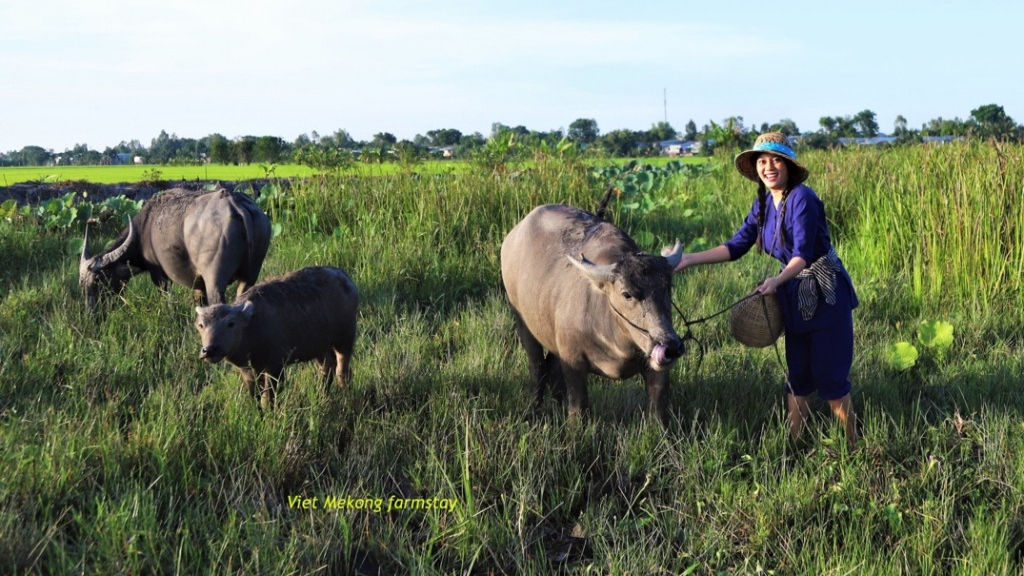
(309, 314)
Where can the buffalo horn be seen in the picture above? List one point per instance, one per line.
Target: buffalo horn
(675, 255)
(84, 262)
(117, 253)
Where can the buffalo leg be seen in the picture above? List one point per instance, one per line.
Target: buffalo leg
(248, 381)
(576, 388)
(199, 293)
(535, 358)
(328, 368)
(270, 382)
(248, 275)
(216, 282)
(555, 379)
(242, 287)
(344, 369)
(657, 394)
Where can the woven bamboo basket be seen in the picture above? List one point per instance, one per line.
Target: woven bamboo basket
(757, 321)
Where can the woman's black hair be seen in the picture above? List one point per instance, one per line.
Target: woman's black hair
(762, 201)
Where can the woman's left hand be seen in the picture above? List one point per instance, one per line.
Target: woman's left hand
(768, 286)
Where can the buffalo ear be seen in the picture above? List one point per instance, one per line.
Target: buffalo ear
(598, 273)
(245, 314)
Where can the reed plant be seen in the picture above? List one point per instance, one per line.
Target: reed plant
(122, 453)
(947, 221)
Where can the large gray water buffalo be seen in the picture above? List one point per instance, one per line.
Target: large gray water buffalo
(200, 239)
(309, 314)
(581, 288)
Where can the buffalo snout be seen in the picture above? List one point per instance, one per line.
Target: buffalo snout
(666, 352)
(211, 354)
(674, 347)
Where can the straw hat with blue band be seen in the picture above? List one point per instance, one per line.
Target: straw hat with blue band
(776, 144)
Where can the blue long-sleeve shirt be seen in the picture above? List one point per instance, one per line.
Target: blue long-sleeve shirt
(804, 233)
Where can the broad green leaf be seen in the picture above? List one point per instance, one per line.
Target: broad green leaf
(84, 211)
(935, 334)
(65, 218)
(74, 246)
(8, 209)
(901, 355)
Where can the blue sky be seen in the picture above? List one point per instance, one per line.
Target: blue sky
(102, 71)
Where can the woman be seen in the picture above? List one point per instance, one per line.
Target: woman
(814, 291)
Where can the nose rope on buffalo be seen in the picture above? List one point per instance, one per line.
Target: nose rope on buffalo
(700, 345)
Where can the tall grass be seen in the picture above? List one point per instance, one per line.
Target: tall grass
(122, 453)
(947, 220)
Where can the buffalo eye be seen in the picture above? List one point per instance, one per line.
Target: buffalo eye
(627, 295)
(231, 324)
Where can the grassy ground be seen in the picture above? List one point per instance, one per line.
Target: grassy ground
(122, 453)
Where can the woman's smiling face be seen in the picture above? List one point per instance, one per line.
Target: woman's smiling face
(773, 171)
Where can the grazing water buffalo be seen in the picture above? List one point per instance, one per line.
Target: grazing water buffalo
(309, 314)
(582, 289)
(200, 239)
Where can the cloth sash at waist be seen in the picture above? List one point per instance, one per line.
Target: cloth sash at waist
(816, 280)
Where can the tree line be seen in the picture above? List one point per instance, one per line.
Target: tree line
(339, 149)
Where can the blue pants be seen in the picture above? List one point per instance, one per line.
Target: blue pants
(820, 360)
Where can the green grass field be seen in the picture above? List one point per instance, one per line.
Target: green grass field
(122, 453)
(226, 172)
(132, 173)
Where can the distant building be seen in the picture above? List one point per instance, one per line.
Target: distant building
(872, 141)
(882, 139)
(677, 147)
(443, 151)
(123, 158)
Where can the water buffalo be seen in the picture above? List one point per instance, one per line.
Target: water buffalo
(309, 314)
(200, 239)
(581, 288)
